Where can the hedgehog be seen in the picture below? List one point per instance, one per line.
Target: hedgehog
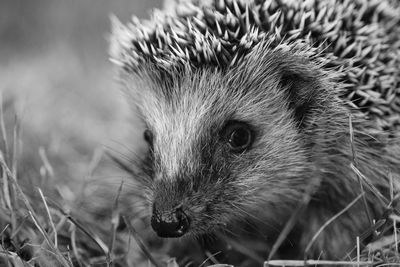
(266, 112)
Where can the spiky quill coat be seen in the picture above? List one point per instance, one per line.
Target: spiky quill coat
(318, 82)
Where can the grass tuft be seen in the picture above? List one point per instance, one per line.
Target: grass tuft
(38, 227)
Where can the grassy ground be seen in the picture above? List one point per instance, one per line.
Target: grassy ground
(61, 200)
(48, 217)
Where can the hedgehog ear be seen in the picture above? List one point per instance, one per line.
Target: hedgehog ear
(301, 81)
(301, 89)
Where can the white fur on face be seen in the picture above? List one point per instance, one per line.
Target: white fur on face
(178, 122)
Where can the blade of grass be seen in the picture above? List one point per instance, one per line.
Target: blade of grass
(3, 130)
(139, 241)
(73, 244)
(97, 240)
(396, 241)
(42, 231)
(4, 229)
(49, 217)
(14, 162)
(114, 225)
(371, 187)
(210, 257)
(16, 136)
(354, 162)
(315, 263)
(358, 251)
(46, 163)
(329, 222)
(293, 219)
(6, 191)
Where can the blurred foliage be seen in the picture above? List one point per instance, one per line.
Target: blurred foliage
(35, 26)
(56, 77)
(54, 66)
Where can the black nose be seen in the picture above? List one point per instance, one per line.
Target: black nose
(170, 224)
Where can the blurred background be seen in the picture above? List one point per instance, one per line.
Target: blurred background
(55, 75)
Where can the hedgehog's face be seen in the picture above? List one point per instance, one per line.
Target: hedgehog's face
(223, 147)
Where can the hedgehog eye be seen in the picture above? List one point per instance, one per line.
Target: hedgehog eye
(238, 135)
(148, 137)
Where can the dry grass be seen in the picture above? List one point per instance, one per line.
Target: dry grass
(46, 226)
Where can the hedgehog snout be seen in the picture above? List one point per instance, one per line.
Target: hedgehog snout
(170, 223)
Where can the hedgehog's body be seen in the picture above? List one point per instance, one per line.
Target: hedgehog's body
(248, 108)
